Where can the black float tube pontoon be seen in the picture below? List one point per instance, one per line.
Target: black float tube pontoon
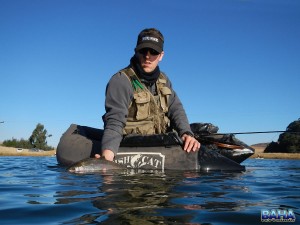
(82, 142)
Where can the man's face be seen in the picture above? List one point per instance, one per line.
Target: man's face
(149, 59)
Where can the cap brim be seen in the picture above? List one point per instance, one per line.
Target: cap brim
(148, 45)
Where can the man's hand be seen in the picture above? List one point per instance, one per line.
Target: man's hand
(107, 154)
(190, 143)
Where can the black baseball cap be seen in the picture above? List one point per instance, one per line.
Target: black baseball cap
(150, 38)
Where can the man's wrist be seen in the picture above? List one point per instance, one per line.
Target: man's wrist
(188, 133)
(108, 154)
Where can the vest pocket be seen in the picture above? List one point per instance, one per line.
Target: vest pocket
(142, 100)
(166, 91)
(139, 127)
(164, 98)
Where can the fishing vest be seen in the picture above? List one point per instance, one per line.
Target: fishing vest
(147, 112)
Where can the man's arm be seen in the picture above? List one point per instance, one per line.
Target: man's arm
(117, 99)
(180, 121)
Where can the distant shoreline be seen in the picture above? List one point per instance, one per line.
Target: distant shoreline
(11, 151)
(259, 153)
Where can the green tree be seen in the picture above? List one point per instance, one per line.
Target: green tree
(38, 137)
(17, 143)
(36, 140)
(289, 141)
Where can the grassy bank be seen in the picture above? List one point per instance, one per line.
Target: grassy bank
(259, 153)
(9, 151)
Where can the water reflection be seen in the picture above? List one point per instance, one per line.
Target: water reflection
(133, 198)
(155, 198)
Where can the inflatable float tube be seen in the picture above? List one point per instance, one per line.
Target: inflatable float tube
(154, 152)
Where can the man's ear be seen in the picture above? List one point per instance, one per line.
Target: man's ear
(161, 55)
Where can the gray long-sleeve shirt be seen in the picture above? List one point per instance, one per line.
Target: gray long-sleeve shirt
(119, 94)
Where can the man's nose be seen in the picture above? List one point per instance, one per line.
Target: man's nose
(147, 54)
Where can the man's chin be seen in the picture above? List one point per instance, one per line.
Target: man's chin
(147, 69)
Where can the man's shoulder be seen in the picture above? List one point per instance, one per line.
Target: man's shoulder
(119, 80)
(165, 76)
(162, 73)
(120, 75)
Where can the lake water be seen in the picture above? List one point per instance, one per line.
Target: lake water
(34, 190)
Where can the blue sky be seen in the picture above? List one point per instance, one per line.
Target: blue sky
(234, 63)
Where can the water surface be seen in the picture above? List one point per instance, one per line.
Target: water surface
(34, 190)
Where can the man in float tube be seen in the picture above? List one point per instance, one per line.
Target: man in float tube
(140, 99)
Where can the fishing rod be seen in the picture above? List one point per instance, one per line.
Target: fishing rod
(253, 132)
(202, 137)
